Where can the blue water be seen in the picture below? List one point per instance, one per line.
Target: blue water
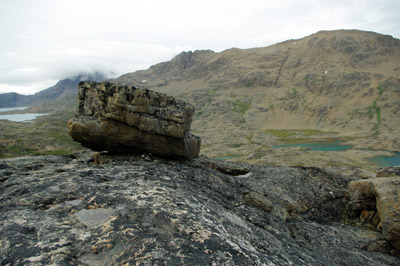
(226, 157)
(20, 117)
(17, 117)
(386, 161)
(318, 146)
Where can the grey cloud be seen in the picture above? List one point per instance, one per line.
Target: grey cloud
(50, 40)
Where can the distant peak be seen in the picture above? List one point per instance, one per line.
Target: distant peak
(346, 32)
(94, 76)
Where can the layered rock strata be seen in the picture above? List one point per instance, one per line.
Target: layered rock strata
(125, 119)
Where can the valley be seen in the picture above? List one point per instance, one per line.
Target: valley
(46, 135)
(333, 85)
(330, 85)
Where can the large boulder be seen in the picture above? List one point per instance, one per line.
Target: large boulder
(124, 119)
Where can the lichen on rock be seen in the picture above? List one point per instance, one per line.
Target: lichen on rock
(130, 210)
(125, 119)
(378, 202)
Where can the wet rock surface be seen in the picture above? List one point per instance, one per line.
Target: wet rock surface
(142, 210)
(125, 119)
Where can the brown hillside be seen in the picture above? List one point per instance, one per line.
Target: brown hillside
(344, 81)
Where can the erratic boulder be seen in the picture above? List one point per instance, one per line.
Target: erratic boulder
(124, 119)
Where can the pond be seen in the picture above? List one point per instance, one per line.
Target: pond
(335, 145)
(386, 161)
(226, 157)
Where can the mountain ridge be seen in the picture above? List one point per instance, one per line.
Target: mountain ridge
(63, 88)
(332, 85)
(196, 59)
(344, 81)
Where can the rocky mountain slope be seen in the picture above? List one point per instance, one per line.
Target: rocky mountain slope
(65, 89)
(143, 210)
(332, 84)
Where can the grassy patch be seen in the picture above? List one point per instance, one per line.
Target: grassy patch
(295, 92)
(250, 138)
(353, 113)
(271, 106)
(281, 134)
(288, 135)
(250, 83)
(377, 110)
(234, 145)
(205, 146)
(306, 79)
(46, 135)
(211, 93)
(16, 149)
(241, 106)
(200, 113)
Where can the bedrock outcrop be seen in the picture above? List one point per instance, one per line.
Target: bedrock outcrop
(143, 210)
(125, 119)
(378, 202)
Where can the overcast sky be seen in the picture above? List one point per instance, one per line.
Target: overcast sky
(42, 41)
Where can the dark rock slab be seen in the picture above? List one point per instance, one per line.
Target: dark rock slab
(161, 212)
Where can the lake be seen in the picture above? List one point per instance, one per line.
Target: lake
(386, 161)
(334, 145)
(18, 117)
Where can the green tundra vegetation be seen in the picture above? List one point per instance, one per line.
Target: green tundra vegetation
(43, 136)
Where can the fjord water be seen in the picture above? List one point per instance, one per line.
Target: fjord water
(18, 117)
(334, 145)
